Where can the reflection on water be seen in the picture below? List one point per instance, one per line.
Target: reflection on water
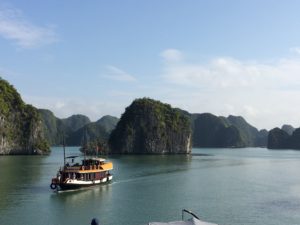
(149, 165)
(77, 197)
(18, 175)
(226, 186)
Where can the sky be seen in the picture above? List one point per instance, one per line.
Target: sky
(226, 57)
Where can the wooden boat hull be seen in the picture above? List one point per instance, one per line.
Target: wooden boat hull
(76, 184)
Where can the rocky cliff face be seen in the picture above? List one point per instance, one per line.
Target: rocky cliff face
(277, 139)
(151, 127)
(248, 133)
(21, 130)
(280, 139)
(55, 128)
(74, 122)
(52, 127)
(213, 131)
(288, 129)
(74, 127)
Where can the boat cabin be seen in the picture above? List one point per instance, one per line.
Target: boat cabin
(90, 172)
(89, 169)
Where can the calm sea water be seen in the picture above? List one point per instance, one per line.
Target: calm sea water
(226, 186)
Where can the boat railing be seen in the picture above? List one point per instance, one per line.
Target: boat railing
(189, 212)
(72, 168)
(91, 167)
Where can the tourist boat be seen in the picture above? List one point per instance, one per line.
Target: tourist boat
(192, 221)
(90, 172)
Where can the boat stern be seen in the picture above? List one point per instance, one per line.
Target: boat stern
(54, 183)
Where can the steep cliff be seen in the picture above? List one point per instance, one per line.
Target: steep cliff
(98, 131)
(74, 122)
(151, 127)
(288, 128)
(55, 128)
(280, 139)
(212, 131)
(294, 140)
(250, 135)
(94, 136)
(51, 127)
(21, 130)
(262, 138)
(108, 123)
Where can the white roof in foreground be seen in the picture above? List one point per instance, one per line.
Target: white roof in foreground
(192, 221)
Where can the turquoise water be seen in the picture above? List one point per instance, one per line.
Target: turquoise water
(252, 186)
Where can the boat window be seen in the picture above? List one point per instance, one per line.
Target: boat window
(102, 174)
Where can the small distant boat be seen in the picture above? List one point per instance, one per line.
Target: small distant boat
(74, 175)
(192, 221)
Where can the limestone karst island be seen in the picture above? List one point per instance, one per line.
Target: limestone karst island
(146, 127)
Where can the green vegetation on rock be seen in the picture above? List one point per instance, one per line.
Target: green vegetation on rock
(277, 139)
(108, 123)
(74, 127)
(21, 129)
(51, 127)
(74, 122)
(280, 139)
(147, 126)
(98, 131)
(151, 127)
(55, 128)
(213, 131)
(249, 134)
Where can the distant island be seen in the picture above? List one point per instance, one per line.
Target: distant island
(285, 138)
(221, 132)
(75, 127)
(147, 126)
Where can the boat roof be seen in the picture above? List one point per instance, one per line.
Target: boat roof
(72, 157)
(95, 159)
(192, 221)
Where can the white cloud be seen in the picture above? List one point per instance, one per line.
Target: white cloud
(250, 110)
(265, 94)
(233, 73)
(117, 74)
(14, 26)
(172, 55)
(65, 107)
(295, 50)
(59, 105)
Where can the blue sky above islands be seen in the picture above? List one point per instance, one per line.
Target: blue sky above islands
(96, 57)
